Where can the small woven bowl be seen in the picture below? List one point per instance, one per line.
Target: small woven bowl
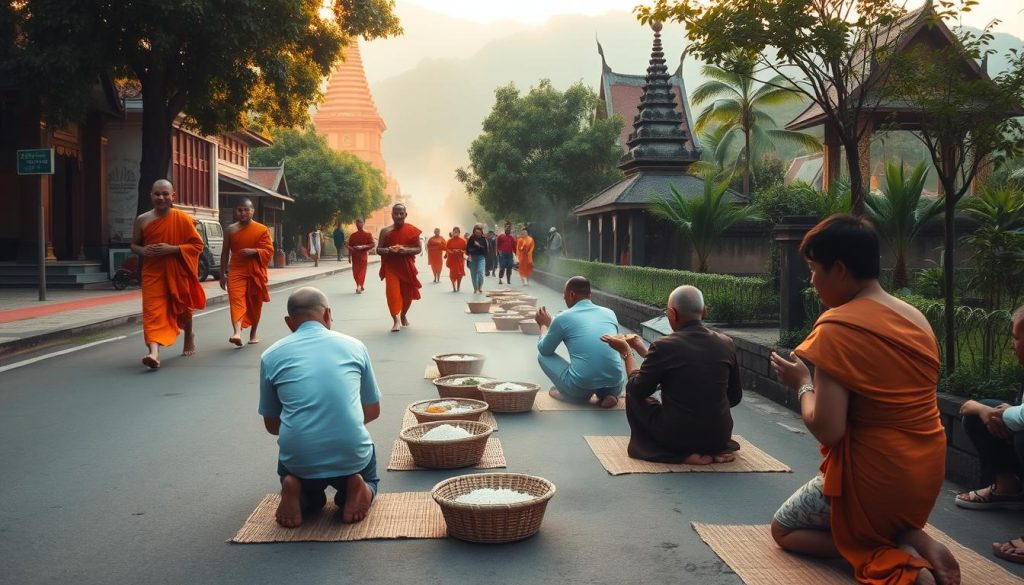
(447, 390)
(509, 400)
(451, 453)
(506, 321)
(479, 408)
(479, 306)
(493, 523)
(451, 367)
(529, 327)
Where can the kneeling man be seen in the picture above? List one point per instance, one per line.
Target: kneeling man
(696, 370)
(317, 392)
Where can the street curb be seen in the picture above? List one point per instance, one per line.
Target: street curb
(11, 348)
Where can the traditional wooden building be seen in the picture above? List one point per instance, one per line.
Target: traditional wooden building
(268, 190)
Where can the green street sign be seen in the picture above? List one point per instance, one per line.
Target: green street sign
(35, 161)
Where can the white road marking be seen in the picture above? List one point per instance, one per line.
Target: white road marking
(40, 358)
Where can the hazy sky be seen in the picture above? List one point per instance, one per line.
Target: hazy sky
(1010, 12)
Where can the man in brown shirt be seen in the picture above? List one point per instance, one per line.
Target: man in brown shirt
(696, 370)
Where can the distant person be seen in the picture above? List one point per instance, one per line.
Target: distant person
(476, 250)
(167, 240)
(316, 245)
(317, 393)
(436, 246)
(524, 252)
(492, 253)
(455, 256)
(555, 244)
(593, 367)
(244, 260)
(506, 247)
(398, 245)
(699, 378)
(359, 245)
(339, 240)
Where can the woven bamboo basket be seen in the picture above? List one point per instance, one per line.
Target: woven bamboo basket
(509, 400)
(506, 321)
(445, 389)
(493, 523)
(508, 304)
(525, 310)
(447, 454)
(499, 292)
(479, 306)
(529, 327)
(528, 300)
(449, 367)
(479, 407)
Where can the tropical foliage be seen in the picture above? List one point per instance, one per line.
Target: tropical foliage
(997, 245)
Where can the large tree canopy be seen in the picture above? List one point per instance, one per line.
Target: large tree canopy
(541, 154)
(214, 62)
(327, 185)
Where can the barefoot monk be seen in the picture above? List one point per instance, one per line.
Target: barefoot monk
(246, 255)
(167, 241)
(436, 247)
(455, 259)
(398, 246)
(359, 245)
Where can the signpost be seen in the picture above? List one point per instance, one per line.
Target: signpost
(39, 161)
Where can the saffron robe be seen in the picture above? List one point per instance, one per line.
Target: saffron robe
(436, 247)
(524, 253)
(399, 271)
(170, 284)
(456, 255)
(360, 258)
(884, 475)
(247, 275)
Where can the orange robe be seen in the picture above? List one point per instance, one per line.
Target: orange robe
(359, 258)
(399, 271)
(456, 255)
(170, 285)
(247, 275)
(436, 246)
(886, 472)
(524, 252)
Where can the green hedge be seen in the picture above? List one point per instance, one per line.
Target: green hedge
(730, 299)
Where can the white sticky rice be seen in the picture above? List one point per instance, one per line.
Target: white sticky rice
(450, 406)
(458, 358)
(510, 387)
(445, 433)
(493, 496)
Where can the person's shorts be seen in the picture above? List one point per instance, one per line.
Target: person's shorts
(313, 488)
(506, 260)
(806, 508)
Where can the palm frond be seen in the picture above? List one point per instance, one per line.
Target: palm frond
(805, 141)
(718, 112)
(712, 89)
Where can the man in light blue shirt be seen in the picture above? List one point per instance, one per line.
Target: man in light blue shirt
(593, 368)
(317, 392)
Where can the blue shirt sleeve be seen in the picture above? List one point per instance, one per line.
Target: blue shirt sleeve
(1013, 418)
(369, 393)
(552, 338)
(270, 405)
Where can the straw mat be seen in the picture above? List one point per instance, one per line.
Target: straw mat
(431, 372)
(493, 309)
(545, 402)
(751, 552)
(401, 458)
(487, 417)
(398, 515)
(611, 452)
(490, 327)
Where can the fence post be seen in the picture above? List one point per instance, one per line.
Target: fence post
(793, 271)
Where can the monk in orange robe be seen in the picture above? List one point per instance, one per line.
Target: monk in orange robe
(524, 253)
(248, 245)
(455, 256)
(167, 241)
(436, 247)
(872, 405)
(398, 246)
(359, 245)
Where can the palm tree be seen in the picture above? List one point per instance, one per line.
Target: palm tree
(737, 109)
(704, 219)
(900, 212)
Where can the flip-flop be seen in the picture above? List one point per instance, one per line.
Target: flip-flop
(1015, 554)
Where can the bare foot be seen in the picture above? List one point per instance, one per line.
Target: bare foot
(925, 577)
(289, 511)
(235, 340)
(946, 569)
(405, 322)
(151, 361)
(396, 327)
(358, 498)
(609, 402)
(724, 458)
(190, 345)
(698, 459)
(254, 340)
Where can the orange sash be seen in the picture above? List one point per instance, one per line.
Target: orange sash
(170, 285)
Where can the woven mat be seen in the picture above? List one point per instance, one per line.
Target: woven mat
(401, 458)
(400, 515)
(751, 552)
(546, 402)
(611, 452)
(487, 417)
(490, 327)
(493, 309)
(431, 372)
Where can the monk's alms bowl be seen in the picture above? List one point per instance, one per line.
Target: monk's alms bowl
(460, 386)
(479, 407)
(509, 400)
(447, 366)
(451, 453)
(493, 523)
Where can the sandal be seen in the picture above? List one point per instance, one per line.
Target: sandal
(974, 500)
(1011, 550)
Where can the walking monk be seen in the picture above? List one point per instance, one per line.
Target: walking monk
(359, 244)
(436, 247)
(398, 246)
(524, 250)
(169, 244)
(247, 243)
(455, 253)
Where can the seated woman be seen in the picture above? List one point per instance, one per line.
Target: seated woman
(871, 404)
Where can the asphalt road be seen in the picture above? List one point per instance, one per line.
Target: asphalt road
(114, 474)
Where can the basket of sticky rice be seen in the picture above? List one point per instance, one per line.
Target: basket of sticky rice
(479, 306)
(528, 300)
(493, 507)
(529, 327)
(499, 292)
(447, 444)
(506, 321)
(460, 386)
(509, 396)
(459, 363)
(525, 310)
(508, 302)
(447, 409)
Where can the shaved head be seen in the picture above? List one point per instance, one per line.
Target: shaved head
(578, 285)
(245, 202)
(307, 303)
(162, 184)
(687, 301)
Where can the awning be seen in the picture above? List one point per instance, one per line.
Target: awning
(240, 187)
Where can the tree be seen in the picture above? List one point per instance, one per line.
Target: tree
(900, 213)
(826, 50)
(542, 153)
(704, 219)
(737, 109)
(205, 63)
(327, 185)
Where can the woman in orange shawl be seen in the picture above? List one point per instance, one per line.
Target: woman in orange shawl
(435, 253)
(455, 253)
(524, 253)
(872, 405)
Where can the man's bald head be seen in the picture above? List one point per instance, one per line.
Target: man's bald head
(245, 202)
(578, 285)
(687, 302)
(307, 303)
(162, 184)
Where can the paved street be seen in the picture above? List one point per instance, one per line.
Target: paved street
(115, 474)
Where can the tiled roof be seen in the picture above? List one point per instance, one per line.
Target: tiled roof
(622, 92)
(636, 191)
